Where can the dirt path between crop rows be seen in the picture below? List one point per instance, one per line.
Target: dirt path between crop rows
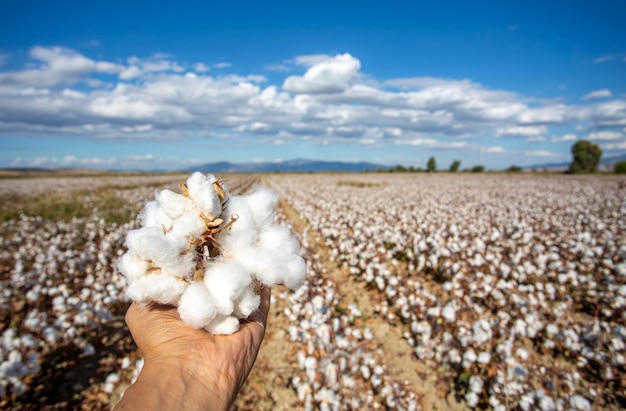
(398, 355)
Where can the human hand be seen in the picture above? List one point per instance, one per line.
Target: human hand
(187, 368)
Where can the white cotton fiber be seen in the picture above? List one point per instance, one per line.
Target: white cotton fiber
(197, 180)
(151, 244)
(262, 202)
(174, 204)
(196, 306)
(156, 287)
(132, 266)
(205, 197)
(223, 325)
(226, 280)
(295, 272)
(207, 252)
(242, 233)
(278, 238)
(246, 303)
(154, 216)
(189, 225)
(181, 267)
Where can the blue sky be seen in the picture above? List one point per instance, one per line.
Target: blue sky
(169, 85)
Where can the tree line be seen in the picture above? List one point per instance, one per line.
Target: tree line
(586, 158)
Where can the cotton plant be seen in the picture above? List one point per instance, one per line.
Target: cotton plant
(207, 253)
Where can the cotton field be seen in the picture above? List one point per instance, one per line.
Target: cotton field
(424, 291)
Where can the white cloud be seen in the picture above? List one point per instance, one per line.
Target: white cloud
(535, 139)
(541, 153)
(65, 161)
(145, 157)
(495, 150)
(222, 65)
(201, 67)
(140, 128)
(332, 101)
(433, 143)
(615, 146)
(521, 131)
(565, 137)
(330, 75)
(368, 141)
(604, 93)
(605, 136)
(282, 68)
(56, 65)
(609, 57)
(157, 63)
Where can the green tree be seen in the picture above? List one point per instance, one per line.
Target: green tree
(431, 165)
(514, 169)
(478, 169)
(620, 167)
(454, 167)
(586, 157)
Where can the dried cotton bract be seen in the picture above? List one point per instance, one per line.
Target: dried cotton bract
(204, 251)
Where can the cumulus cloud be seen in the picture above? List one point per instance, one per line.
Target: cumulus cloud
(495, 150)
(605, 136)
(158, 97)
(541, 153)
(56, 65)
(326, 75)
(201, 67)
(565, 137)
(433, 143)
(615, 146)
(604, 93)
(221, 65)
(521, 131)
(157, 63)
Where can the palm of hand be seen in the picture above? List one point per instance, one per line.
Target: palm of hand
(220, 362)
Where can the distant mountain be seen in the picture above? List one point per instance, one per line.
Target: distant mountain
(298, 165)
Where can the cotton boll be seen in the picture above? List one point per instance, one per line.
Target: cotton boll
(226, 281)
(278, 238)
(174, 205)
(272, 267)
(156, 287)
(150, 243)
(223, 325)
(296, 269)
(153, 215)
(205, 197)
(472, 399)
(132, 266)
(242, 233)
(181, 267)
(196, 306)
(189, 225)
(262, 202)
(246, 303)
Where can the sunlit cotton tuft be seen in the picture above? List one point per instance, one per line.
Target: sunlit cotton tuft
(207, 253)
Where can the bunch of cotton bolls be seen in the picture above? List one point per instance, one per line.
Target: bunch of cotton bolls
(207, 253)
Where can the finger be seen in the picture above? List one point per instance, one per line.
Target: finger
(266, 296)
(131, 314)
